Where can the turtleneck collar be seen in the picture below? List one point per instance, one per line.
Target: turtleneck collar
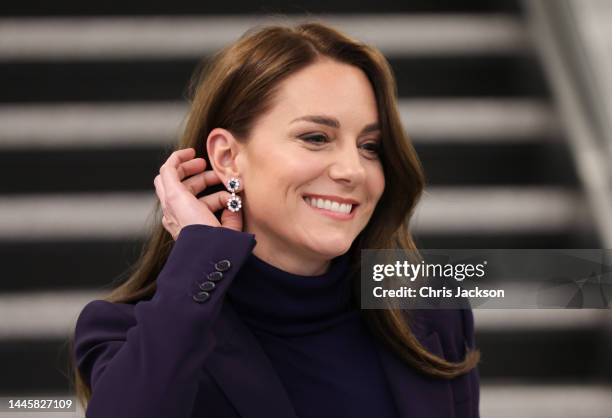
(273, 300)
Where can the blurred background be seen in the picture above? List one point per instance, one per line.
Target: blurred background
(509, 105)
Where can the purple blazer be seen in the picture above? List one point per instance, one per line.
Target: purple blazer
(185, 353)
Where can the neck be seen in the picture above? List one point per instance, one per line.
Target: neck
(291, 262)
(282, 302)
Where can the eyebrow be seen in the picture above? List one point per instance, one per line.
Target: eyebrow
(334, 123)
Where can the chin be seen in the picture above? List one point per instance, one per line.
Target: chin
(333, 249)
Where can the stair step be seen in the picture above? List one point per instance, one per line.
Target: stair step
(578, 399)
(510, 239)
(499, 209)
(497, 400)
(442, 210)
(67, 234)
(487, 320)
(83, 38)
(131, 169)
(542, 163)
(47, 314)
(67, 264)
(60, 265)
(34, 341)
(82, 125)
(192, 7)
(57, 81)
(42, 314)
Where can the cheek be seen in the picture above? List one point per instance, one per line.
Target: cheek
(376, 184)
(275, 182)
(265, 176)
(292, 173)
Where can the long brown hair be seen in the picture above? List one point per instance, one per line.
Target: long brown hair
(239, 84)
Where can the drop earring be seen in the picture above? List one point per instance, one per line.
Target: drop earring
(234, 203)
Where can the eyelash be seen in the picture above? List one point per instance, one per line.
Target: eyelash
(309, 138)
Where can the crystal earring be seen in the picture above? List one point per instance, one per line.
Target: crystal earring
(234, 203)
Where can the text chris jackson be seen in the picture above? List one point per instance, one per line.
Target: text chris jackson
(428, 292)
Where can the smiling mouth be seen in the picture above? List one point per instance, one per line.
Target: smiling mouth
(340, 209)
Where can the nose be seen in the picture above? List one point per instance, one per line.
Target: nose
(347, 165)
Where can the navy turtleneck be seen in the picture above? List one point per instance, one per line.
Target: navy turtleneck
(315, 339)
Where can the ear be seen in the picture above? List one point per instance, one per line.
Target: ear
(222, 149)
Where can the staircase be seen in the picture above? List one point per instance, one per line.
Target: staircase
(93, 98)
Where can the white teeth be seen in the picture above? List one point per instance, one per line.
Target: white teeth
(329, 205)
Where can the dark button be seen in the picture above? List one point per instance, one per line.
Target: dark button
(223, 265)
(207, 286)
(201, 297)
(215, 276)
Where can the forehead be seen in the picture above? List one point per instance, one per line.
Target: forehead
(327, 87)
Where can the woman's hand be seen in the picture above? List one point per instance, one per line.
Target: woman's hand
(179, 180)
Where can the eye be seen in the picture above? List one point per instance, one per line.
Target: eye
(315, 139)
(373, 147)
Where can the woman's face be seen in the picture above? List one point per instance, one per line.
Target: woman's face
(319, 139)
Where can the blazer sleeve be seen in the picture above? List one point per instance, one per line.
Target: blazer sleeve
(145, 360)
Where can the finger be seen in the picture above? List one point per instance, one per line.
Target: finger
(216, 201)
(191, 167)
(201, 181)
(168, 170)
(180, 156)
(168, 226)
(159, 191)
(232, 220)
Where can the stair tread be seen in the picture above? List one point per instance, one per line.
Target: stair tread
(442, 120)
(180, 36)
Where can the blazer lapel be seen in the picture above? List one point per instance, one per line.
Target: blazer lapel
(244, 372)
(415, 394)
(246, 376)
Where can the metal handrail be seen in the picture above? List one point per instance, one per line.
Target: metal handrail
(558, 43)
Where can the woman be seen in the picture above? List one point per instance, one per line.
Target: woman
(245, 301)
